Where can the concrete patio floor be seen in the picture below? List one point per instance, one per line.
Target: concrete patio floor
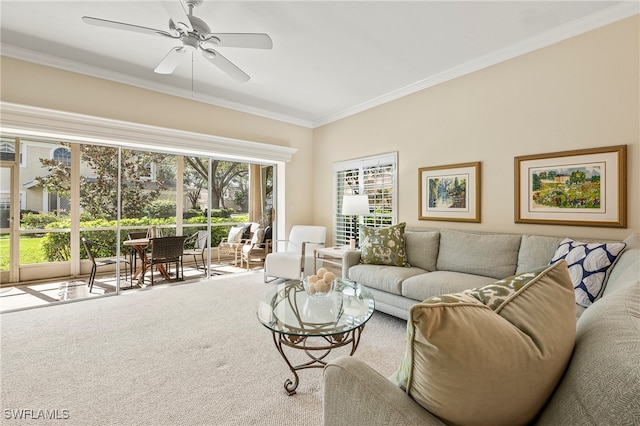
(30, 295)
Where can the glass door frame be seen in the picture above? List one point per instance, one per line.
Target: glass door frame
(12, 274)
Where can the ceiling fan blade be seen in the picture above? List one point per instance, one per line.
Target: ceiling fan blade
(250, 40)
(225, 65)
(170, 61)
(178, 15)
(128, 27)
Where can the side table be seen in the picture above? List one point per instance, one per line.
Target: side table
(332, 256)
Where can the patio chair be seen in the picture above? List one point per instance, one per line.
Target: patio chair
(257, 249)
(298, 254)
(198, 243)
(164, 251)
(91, 247)
(133, 259)
(237, 238)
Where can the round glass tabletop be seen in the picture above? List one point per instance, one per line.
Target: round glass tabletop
(289, 309)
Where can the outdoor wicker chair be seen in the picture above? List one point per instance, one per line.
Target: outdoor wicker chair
(164, 251)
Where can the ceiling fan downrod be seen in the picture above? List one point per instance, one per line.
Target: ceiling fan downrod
(191, 4)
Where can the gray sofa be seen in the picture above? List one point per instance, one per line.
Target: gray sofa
(443, 261)
(600, 386)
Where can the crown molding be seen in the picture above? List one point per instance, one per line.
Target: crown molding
(41, 123)
(44, 59)
(608, 16)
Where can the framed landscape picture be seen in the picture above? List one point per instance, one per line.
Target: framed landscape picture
(449, 192)
(585, 187)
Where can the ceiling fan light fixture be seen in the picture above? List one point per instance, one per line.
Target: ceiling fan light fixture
(190, 43)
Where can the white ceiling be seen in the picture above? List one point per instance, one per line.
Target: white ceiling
(330, 59)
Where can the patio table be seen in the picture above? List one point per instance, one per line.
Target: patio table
(140, 246)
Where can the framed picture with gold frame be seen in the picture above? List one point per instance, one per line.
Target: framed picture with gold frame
(449, 192)
(586, 187)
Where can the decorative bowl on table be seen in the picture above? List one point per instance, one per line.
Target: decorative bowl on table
(320, 284)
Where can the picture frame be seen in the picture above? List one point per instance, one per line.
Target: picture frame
(586, 187)
(450, 192)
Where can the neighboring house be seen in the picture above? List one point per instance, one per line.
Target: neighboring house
(32, 195)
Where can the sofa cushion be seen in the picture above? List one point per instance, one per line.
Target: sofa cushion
(381, 277)
(490, 255)
(384, 246)
(492, 355)
(589, 266)
(422, 249)
(602, 383)
(627, 268)
(435, 283)
(536, 251)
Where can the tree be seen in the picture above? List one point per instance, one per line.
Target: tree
(577, 177)
(98, 194)
(535, 182)
(224, 173)
(194, 183)
(241, 199)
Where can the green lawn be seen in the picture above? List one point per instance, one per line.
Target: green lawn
(30, 251)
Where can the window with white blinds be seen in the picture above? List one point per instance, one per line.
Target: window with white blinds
(375, 177)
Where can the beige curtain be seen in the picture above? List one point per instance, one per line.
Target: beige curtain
(255, 193)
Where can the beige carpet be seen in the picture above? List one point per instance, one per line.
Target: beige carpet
(191, 354)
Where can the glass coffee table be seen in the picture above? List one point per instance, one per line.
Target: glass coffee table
(315, 324)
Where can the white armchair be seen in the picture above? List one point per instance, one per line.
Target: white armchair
(297, 256)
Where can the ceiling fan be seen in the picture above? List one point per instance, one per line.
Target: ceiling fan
(194, 34)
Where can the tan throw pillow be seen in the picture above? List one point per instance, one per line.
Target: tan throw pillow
(492, 355)
(384, 246)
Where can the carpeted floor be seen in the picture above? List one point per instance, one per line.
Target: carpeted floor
(192, 354)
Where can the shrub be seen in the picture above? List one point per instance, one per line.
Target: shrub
(160, 209)
(225, 213)
(56, 244)
(36, 220)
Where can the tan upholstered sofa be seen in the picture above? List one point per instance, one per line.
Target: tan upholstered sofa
(600, 385)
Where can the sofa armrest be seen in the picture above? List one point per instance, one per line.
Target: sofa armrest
(355, 394)
(351, 258)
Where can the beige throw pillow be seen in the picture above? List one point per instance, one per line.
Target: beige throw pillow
(494, 355)
(235, 234)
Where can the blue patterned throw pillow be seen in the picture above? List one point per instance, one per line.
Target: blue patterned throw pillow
(589, 265)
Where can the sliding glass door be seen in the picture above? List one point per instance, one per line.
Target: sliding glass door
(59, 193)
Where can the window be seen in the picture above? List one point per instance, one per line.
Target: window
(375, 177)
(7, 150)
(63, 155)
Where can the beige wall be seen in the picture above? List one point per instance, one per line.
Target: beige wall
(580, 93)
(40, 86)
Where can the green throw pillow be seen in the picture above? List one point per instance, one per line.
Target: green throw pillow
(491, 355)
(384, 246)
